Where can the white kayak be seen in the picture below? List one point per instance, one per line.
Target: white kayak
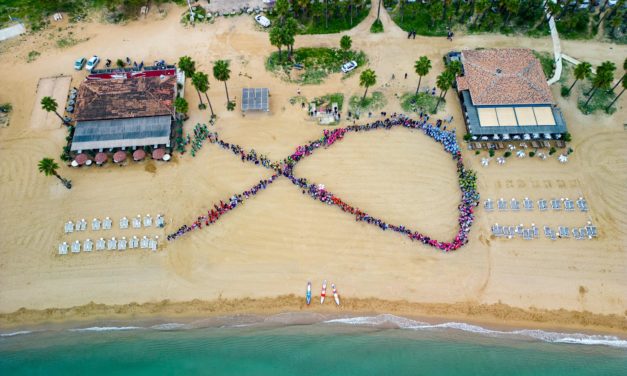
(335, 295)
(323, 293)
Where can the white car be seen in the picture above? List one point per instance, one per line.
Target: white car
(91, 64)
(349, 66)
(261, 20)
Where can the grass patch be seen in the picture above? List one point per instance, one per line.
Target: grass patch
(547, 62)
(66, 42)
(32, 56)
(335, 24)
(318, 63)
(599, 102)
(376, 27)
(410, 102)
(373, 102)
(329, 99)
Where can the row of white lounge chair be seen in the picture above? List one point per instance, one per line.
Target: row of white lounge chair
(107, 223)
(529, 233)
(527, 204)
(112, 244)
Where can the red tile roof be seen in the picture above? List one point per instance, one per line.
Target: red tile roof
(504, 76)
(129, 98)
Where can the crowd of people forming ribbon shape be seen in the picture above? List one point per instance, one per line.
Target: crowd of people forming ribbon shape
(466, 178)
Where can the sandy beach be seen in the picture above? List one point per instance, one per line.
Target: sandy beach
(259, 258)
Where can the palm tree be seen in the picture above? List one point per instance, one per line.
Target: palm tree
(187, 65)
(181, 106)
(455, 67)
(288, 34)
(276, 39)
(49, 167)
(200, 81)
(422, 67)
(618, 96)
(582, 70)
(378, 13)
(602, 80)
(367, 79)
(443, 82)
(345, 43)
(608, 67)
(49, 104)
(197, 83)
(221, 72)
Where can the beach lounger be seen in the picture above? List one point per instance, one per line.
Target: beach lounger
(556, 204)
(563, 231)
(112, 244)
(569, 205)
(152, 243)
(514, 204)
(106, 223)
(69, 227)
(122, 244)
(123, 223)
(582, 204)
(137, 222)
(535, 231)
(576, 234)
(560, 144)
(502, 204)
(488, 205)
(81, 225)
(496, 230)
(63, 247)
(76, 247)
(147, 220)
(500, 146)
(143, 243)
(134, 242)
(100, 244)
(542, 204)
(512, 231)
(95, 224)
(528, 234)
(88, 245)
(528, 204)
(160, 221)
(519, 230)
(546, 144)
(547, 231)
(535, 144)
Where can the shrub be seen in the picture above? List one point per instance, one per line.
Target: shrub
(570, 151)
(565, 92)
(477, 152)
(377, 27)
(491, 153)
(532, 154)
(507, 154)
(230, 106)
(567, 137)
(467, 137)
(32, 56)
(552, 150)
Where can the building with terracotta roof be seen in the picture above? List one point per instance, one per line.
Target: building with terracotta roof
(504, 95)
(124, 111)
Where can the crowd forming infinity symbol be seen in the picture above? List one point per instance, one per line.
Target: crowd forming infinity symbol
(284, 168)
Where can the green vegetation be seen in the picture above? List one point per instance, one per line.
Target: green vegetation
(329, 99)
(532, 154)
(49, 104)
(32, 56)
(434, 17)
(366, 79)
(318, 62)
(411, 102)
(6, 107)
(547, 61)
(491, 153)
(376, 27)
(422, 68)
(222, 72)
(601, 100)
(327, 17)
(48, 167)
(507, 154)
(359, 104)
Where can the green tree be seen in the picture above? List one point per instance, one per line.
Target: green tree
(602, 80)
(276, 39)
(49, 104)
(609, 68)
(119, 63)
(378, 14)
(48, 167)
(345, 43)
(455, 67)
(181, 106)
(481, 7)
(222, 72)
(422, 67)
(288, 35)
(281, 7)
(618, 96)
(197, 84)
(202, 85)
(366, 79)
(582, 71)
(443, 82)
(187, 65)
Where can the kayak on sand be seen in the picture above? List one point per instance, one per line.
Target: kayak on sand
(335, 295)
(323, 294)
(308, 295)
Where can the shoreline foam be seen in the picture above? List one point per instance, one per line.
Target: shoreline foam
(497, 319)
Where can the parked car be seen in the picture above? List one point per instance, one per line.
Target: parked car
(349, 66)
(79, 63)
(91, 64)
(261, 20)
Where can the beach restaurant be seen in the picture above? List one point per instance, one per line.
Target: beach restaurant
(125, 112)
(504, 95)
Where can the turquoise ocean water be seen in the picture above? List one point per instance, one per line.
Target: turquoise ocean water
(378, 345)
